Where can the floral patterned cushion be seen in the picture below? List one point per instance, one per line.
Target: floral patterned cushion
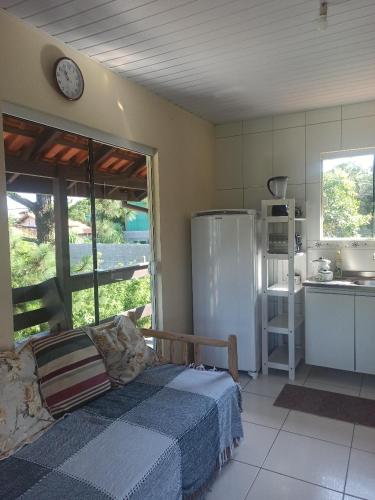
(22, 416)
(123, 348)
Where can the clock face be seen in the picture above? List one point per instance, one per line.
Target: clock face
(69, 78)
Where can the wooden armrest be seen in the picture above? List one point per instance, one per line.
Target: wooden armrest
(230, 344)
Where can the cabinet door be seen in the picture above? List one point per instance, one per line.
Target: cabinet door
(330, 330)
(365, 334)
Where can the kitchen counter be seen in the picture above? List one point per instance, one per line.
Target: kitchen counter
(346, 283)
(339, 323)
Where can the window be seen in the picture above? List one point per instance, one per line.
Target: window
(347, 204)
(79, 229)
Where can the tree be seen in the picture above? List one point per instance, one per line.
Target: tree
(111, 218)
(33, 262)
(42, 208)
(347, 202)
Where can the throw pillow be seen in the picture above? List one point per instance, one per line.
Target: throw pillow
(22, 416)
(123, 348)
(71, 371)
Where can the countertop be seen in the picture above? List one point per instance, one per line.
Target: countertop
(346, 283)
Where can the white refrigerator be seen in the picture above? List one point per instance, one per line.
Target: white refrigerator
(226, 284)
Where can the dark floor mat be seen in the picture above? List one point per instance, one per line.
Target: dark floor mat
(351, 409)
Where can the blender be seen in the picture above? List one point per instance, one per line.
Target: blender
(277, 187)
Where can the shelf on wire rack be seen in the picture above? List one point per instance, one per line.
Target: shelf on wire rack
(283, 256)
(279, 358)
(282, 218)
(281, 289)
(279, 324)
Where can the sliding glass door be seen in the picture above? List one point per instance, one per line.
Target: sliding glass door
(122, 231)
(78, 213)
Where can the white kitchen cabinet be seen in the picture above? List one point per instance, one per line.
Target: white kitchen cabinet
(330, 329)
(365, 334)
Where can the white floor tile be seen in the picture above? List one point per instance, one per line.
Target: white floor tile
(256, 444)
(233, 481)
(319, 427)
(364, 438)
(333, 377)
(272, 384)
(367, 393)
(272, 486)
(260, 410)
(369, 382)
(317, 384)
(368, 387)
(244, 379)
(267, 385)
(361, 475)
(309, 459)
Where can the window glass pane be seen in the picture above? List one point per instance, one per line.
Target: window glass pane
(32, 245)
(121, 296)
(348, 197)
(122, 235)
(83, 307)
(32, 237)
(122, 230)
(50, 194)
(80, 235)
(25, 307)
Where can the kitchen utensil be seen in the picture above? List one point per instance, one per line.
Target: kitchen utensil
(277, 187)
(298, 239)
(323, 273)
(297, 212)
(278, 243)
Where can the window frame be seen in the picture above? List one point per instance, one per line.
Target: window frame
(132, 270)
(343, 153)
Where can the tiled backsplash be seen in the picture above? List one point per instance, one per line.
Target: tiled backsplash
(353, 259)
(249, 152)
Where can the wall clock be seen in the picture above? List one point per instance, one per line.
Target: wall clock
(69, 78)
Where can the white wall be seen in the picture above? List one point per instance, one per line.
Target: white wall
(184, 143)
(251, 151)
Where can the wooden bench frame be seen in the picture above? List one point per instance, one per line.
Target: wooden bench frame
(193, 355)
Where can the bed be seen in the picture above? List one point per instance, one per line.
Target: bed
(163, 436)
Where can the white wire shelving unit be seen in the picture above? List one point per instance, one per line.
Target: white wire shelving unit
(281, 319)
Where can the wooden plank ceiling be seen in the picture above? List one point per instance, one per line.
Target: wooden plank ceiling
(223, 59)
(45, 153)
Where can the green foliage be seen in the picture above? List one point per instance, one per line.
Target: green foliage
(33, 262)
(113, 299)
(84, 266)
(42, 208)
(347, 202)
(111, 218)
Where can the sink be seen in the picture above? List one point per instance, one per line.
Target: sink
(370, 282)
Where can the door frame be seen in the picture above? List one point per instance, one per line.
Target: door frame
(115, 141)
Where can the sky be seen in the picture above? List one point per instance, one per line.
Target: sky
(363, 161)
(14, 206)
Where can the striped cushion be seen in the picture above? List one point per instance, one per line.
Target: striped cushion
(70, 370)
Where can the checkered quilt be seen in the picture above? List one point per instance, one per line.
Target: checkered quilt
(162, 436)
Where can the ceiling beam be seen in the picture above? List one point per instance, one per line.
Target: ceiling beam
(19, 131)
(44, 185)
(79, 174)
(135, 207)
(42, 142)
(12, 178)
(135, 167)
(103, 153)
